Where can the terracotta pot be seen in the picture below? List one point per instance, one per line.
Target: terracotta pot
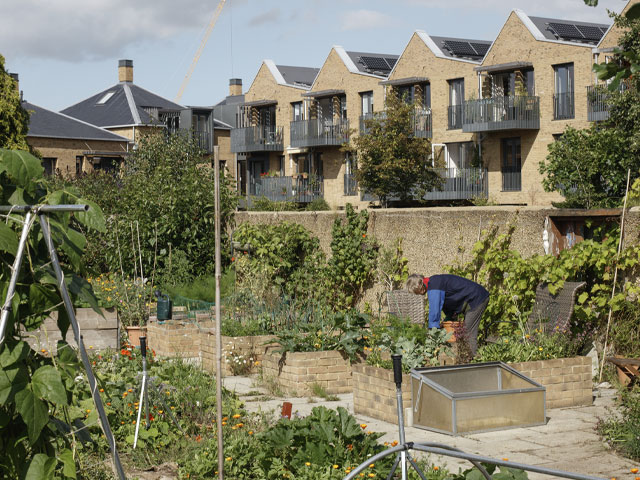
(134, 333)
(449, 326)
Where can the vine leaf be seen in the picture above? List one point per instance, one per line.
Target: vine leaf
(47, 384)
(12, 380)
(41, 467)
(68, 465)
(8, 239)
(22, 167)
(34, 413)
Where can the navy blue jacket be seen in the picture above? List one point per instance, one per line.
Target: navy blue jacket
(450, 294)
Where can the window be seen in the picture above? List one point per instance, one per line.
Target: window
(105, 98)
(297, 111)
(49, 165)
(281, 165)
(419, 93)
(79, 165)
(511, 165)
(563, 103)
(367, 103)
(456, 98)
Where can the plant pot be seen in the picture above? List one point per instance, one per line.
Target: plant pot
(134, 333)
(450, 327)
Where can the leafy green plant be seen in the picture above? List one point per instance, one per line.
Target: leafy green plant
(504, 473)
(317, 204)
(131, 298)
(264, 204)
(621, 430)
(528, 347)
(352, 265)
(393, 266)
(35, 387)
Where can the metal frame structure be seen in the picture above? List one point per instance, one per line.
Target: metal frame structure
(41, 212)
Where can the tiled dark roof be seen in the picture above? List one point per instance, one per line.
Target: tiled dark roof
(462, 48)
(226, 110)
(379, 64)
(128, 104)
(570, 30)
(45, 123)
(299, 76)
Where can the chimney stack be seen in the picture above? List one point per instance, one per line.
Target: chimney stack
(125, 71)
(235, 87)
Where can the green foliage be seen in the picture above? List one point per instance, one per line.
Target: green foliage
(132, 298)
(351, 268)
(392, 160)
(393, 266)
(35, 388)
(504, 473)
(621, 430)
(317, 205)
(202, 288)
(264, 204)
(165, 196)
(284, 257)
(341, 331)
(14, 120)
(527, 348)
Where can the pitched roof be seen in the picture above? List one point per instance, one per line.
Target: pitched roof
(298, 76)
(45, 123)
(462, 48)
(379, 64)
(120, 105)
(570, 30)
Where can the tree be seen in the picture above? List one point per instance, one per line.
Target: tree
(589, 167)
(165, 195)
(392, 160)
(14, 120)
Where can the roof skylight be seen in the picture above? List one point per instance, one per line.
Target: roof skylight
(105, 98)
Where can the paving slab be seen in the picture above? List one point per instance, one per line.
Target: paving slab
(567, 442)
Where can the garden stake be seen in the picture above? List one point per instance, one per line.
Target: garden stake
(218, 321)
(615, 277)
(41, 211)
(402, 449)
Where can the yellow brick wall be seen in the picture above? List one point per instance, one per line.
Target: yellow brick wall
(65, 151)
(516, 43)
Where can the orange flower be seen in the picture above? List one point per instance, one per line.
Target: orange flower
(363, 426)
(634, 470)
(436, 468)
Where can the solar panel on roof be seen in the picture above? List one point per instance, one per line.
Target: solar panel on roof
(481, 48)
(590, 32)
(391, 61)
(375, 63)
(461, 49)
(566, 30)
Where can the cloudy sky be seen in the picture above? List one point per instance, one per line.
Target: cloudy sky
(67, 50)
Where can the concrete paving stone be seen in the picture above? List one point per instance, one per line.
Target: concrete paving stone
(567, 438)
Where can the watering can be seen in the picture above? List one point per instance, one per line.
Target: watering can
(164, 306)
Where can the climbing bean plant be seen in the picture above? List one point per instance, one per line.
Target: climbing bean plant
(36, 388)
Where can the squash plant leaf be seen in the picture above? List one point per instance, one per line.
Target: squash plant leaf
(22, 167)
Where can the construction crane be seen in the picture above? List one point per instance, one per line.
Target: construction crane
(212, 23)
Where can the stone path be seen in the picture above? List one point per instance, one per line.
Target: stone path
(567, 442)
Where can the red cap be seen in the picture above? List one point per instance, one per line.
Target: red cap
(425, 280)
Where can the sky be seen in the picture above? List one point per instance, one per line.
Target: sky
(67, 50)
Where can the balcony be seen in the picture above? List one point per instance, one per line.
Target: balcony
(350, 185)
(511, 179)
(457, 184)
(501, 113)
(597, 103)
(563, 106)
(421, 122)
(288, 189)
(319, 132)
(256, 139)
(203, 140)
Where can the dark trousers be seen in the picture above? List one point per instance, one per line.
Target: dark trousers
(472, 323)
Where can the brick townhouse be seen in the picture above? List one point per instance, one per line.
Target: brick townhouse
(489, 108)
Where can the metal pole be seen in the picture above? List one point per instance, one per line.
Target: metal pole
(6, 308)
(97, 400)
(397, 377)
(216, 170)
(44, 208)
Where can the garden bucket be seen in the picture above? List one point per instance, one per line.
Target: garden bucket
(164, 307)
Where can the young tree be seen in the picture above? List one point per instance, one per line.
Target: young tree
(589, 167)
(14, 120)
(392, 160)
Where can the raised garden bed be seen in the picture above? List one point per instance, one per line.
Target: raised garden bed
(297, 372)
(374, 392)
(249, 348)
(177, 338)
(568, 381)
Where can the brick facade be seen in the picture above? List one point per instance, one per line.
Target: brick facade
(176, 338)
(248, 347)
(297, 372)
(374, 392)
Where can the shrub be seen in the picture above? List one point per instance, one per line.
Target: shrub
(263, 204)
(318, 204)
(622, 431)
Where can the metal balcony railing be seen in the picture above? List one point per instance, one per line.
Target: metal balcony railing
(511, 179)
(318, 132)
(288, 189)
(597, 103)
(203, 140)
(501, 113)
(420, 120)
(350, 185)
(454, 117)
(256, 139)
(563, 106)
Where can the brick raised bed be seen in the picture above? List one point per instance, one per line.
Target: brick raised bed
(296, 372)
(568, 380)
(176, 338)
(248, 346)
(374, 392)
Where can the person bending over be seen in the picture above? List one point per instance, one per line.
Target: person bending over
(452, 295)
